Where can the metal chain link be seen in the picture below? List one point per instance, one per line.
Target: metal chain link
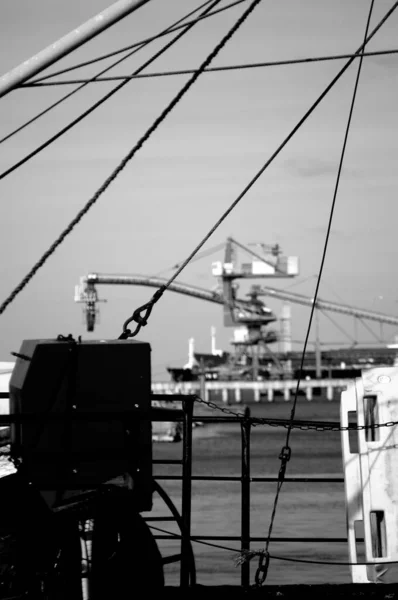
(218, 407)
(303, 425)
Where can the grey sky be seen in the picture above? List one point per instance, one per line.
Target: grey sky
(196, 164)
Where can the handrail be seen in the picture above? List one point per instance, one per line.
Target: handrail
(185, 414)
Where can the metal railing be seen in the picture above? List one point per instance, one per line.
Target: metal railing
(245, 538)
(185, 414)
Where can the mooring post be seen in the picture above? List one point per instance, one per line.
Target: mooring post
(245, 493)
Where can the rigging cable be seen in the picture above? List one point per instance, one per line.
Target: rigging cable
(92, 80)
(126, 48)
(128, 157)
(101, 100)
(200, 255)
(343, 331)
(285, 455)
(207, 252)
(238, 561)
(286, 423)
(369, 329)
(294, 61)
(147, 308)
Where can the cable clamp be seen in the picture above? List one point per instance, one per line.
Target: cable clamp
(285, 454)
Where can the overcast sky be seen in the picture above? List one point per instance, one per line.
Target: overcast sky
(196, 164)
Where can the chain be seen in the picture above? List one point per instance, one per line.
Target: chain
(218, 407)
(285, 423)
(311, 426)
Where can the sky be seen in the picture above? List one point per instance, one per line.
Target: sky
(195, 165)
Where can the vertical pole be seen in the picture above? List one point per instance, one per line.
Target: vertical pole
(245, 493)
(187, 407)
(202, 378)
(318, 366)
(255, 358)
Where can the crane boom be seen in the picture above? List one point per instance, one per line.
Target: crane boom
(243, 309)
(211, 296)
(344, 309)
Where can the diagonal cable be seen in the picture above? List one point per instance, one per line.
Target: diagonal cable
(126, 48)
(101, 101)
(237, 67)
(199, 256)
(343, 331)
(285, 454)
(369, 329)
(147, 308)
(128, 157)
(93, 79)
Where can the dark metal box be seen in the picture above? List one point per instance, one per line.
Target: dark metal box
(88, 410)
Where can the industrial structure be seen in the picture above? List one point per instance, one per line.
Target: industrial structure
(260, 352)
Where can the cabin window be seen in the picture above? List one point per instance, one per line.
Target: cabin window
(378, 533)
(353, 433)
(371, 410)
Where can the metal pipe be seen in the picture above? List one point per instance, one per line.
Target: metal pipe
(210, 296)
(327, 305)
(318, 356)
(187, 407)
(79, 36)
(245, 494)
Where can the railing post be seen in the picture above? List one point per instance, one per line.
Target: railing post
(187, 407)
(245, 493)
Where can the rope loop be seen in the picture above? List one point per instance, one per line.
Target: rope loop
(138, 318)
(262, 569)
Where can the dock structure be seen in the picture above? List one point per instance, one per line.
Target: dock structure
(234, 392)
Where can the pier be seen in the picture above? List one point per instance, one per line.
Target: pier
(236, 392)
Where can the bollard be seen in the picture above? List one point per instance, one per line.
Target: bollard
(256, 395)
(308, 393)
(237, 395)
(270, 395)
(286, 394)
(329, 393)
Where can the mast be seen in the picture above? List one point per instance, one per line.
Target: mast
(79, 36)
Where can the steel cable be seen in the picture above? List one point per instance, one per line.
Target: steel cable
(92, 79)
(150, 39)
(132, 152)
(147, 308)
(101, 101)
(121, 165)
(238, 561)
(285, 454)
(274, 63)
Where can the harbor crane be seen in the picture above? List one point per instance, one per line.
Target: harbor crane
(249, 316)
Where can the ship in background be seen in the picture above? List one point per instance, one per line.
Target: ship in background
(262, 345)
(332, 363)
